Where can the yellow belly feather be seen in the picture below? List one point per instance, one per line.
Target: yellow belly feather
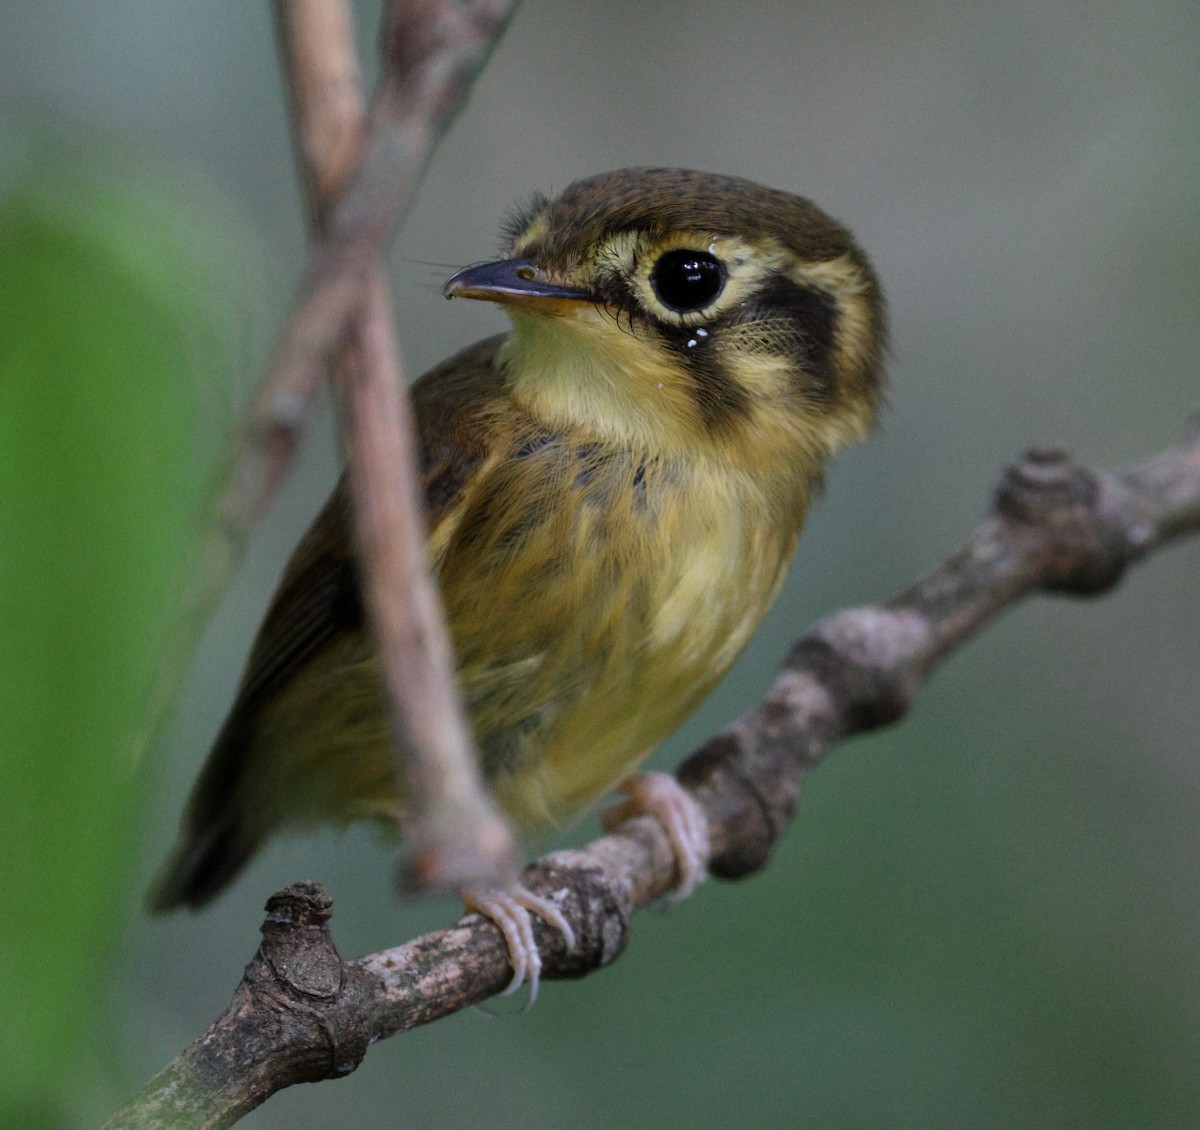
(592, 619)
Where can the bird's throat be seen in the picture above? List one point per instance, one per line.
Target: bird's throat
(576, 371)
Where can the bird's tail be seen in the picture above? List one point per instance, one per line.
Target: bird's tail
(200, 866)
(217, 840)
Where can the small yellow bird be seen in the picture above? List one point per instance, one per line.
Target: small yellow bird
(614, 490)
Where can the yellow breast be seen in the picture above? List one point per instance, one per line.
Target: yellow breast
(595, 598)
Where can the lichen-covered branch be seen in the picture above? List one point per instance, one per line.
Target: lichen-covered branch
(302, 1013)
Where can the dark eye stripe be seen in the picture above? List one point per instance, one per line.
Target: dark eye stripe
(721, 399)
(803, 317)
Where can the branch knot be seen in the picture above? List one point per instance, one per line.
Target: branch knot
(867, 659)
(296, 943)
(298, 984)
(1087, 545)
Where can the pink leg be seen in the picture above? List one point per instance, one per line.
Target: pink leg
(509, 911)
(661, 796)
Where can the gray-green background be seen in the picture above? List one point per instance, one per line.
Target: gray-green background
(987, 917)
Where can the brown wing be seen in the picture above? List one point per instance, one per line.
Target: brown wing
(318, 597)
(317, 602)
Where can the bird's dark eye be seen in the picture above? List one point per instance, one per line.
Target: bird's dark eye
(687, 280)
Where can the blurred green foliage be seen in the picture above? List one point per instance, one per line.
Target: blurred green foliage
(110, 319)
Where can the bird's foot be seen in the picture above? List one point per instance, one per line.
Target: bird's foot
(511, 911)
(683, 819)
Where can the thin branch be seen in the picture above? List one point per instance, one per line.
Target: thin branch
(455, 834)
(303, 1014)
(328, 106)
(433, 51)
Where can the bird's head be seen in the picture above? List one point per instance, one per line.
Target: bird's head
(678, 310)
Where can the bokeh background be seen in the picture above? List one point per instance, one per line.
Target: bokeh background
(988, 916)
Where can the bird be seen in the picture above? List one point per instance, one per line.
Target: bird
(614, 489)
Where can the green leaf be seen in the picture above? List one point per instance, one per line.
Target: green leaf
(111, 307)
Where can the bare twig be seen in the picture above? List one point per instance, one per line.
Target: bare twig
(433, 50)
(324, 85)
(455, 835)
(301, 1013)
